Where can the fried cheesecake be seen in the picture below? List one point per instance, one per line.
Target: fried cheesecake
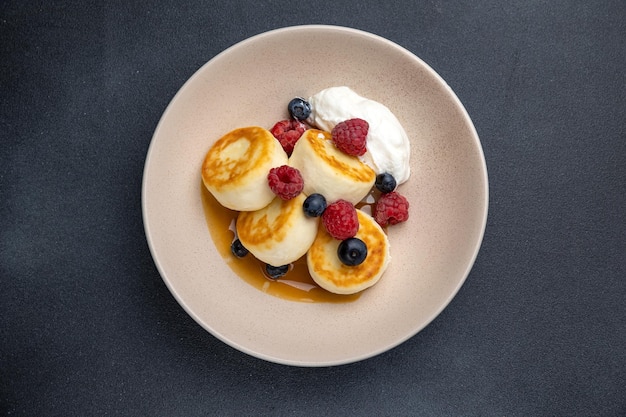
(330, 273)
(235, 168)
(328, 171)
(279, 233)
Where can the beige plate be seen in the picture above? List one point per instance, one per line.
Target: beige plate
(432, 254)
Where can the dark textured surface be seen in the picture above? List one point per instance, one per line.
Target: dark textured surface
(89, 328)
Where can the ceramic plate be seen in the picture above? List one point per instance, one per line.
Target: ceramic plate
(250, 84)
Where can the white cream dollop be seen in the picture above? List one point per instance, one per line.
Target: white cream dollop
(388, 146)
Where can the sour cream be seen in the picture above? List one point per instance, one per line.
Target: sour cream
(388, 146)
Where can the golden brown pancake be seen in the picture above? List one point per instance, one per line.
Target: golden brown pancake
(279, 233)
(235, 168)
(328, 171)
(331, 274)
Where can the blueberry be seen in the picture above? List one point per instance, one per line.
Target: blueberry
(238, 249)
(385, 182)
(275, 272)
(314, 205)
(299, 108)
(352, 251)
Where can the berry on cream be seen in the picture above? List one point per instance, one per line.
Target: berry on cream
(388, 147)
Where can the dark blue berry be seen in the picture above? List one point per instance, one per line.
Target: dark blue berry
(352, 251)
(314, 205)
(238, 249)
(275, 272)
(385, 182)
(299, 108)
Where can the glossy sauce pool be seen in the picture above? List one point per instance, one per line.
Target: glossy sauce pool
(296, 285)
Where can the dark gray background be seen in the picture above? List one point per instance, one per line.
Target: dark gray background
(89, 328)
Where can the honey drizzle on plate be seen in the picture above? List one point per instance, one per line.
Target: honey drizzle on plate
(296, 285)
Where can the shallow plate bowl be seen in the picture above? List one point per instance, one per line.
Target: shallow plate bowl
(250, 84)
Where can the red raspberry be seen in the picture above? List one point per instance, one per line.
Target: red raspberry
(391, 208)
(340, 220)
(288, 132)
(350, 136)
(285, 181)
